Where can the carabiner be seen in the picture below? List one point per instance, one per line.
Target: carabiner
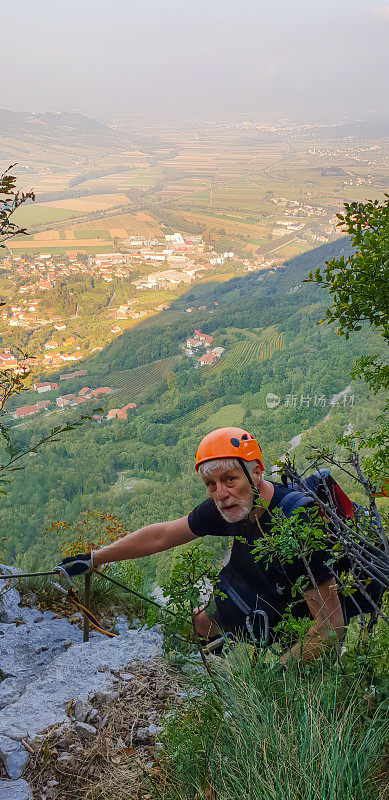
(57, 585)
(264, 638)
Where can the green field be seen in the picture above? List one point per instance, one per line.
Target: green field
(254, 351)
(228, 415)
(132, 383)
(36, 214)
(91, 234)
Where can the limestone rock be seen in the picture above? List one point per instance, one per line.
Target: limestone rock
(14, 757)
(142, 735)
(85, 731)
(9, 605)
(45, 664)
(126, 676)
(80, 711)
(93, 717)
(15, 790)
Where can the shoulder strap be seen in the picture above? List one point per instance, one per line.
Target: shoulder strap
(293, 500)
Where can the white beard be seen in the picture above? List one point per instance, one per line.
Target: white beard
(239, 512)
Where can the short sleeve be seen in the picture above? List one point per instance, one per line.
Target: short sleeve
(205, 520)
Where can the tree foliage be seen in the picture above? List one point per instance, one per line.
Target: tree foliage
(10, 200)
(359, 283)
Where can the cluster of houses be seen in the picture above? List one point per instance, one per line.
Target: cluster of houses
(199, 341)
(72, 401)
(52, 359)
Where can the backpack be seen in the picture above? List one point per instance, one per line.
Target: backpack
(322, 483)
(245, 600)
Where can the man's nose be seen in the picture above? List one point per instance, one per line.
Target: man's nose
(221, 491)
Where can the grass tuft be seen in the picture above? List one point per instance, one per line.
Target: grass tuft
(310, 733)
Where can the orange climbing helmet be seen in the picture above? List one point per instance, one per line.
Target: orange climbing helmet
(228, 443)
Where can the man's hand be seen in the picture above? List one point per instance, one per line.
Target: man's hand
(81, 564)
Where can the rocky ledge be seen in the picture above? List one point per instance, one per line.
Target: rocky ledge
(45, 666)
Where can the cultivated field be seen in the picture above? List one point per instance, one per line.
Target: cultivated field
(35, 214)
(258, 349)
(57, 245)
(95, 202)
(136, 224)
(87, 234)
(135, 382)
(218, 222)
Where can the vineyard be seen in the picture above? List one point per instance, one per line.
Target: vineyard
(259, 349)
(133, 383)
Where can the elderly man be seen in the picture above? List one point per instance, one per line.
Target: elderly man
(229, 462)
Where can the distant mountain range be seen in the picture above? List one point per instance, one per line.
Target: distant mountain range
(49, 123)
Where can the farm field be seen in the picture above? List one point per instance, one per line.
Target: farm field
(83, 236)
(224, 158)
(293, 248)
(133, 383)
(228, 415)
(94, 202)
(134, 224)
(258, 349)
(217, 222)
(121, 181)
(35, 214)
(53, 244)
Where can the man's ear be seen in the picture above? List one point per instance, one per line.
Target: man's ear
(256, 474)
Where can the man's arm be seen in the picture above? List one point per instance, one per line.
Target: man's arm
(326, 610)
(144, 542)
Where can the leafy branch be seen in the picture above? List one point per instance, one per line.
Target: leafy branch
(362, 540)
(16, 453)
(9, 203)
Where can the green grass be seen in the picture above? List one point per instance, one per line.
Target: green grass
(308, 734)
(227, 415)
(28, 215)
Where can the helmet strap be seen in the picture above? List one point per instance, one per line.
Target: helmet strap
(255, 489)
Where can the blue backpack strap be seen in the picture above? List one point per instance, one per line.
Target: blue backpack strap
(293, 500)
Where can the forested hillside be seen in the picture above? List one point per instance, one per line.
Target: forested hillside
(142, 470)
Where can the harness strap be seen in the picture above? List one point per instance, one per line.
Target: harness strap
(236, 599)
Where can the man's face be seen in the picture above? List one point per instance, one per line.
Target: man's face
(231, 492)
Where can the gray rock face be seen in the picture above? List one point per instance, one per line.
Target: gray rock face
(15, 790)
(14, 757)
(45, 664)
(9, 605)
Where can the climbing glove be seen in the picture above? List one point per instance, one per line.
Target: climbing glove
(81, 564)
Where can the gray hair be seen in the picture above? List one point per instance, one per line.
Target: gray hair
(207, 467)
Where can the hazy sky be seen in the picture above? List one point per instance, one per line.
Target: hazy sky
(311, 57)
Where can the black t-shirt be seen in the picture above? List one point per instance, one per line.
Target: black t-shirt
(271, 582)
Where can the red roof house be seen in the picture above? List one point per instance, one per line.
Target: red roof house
(24, 411)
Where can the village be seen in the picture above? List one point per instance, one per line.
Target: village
(143, 274)
(30, 281)
(71, 400)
